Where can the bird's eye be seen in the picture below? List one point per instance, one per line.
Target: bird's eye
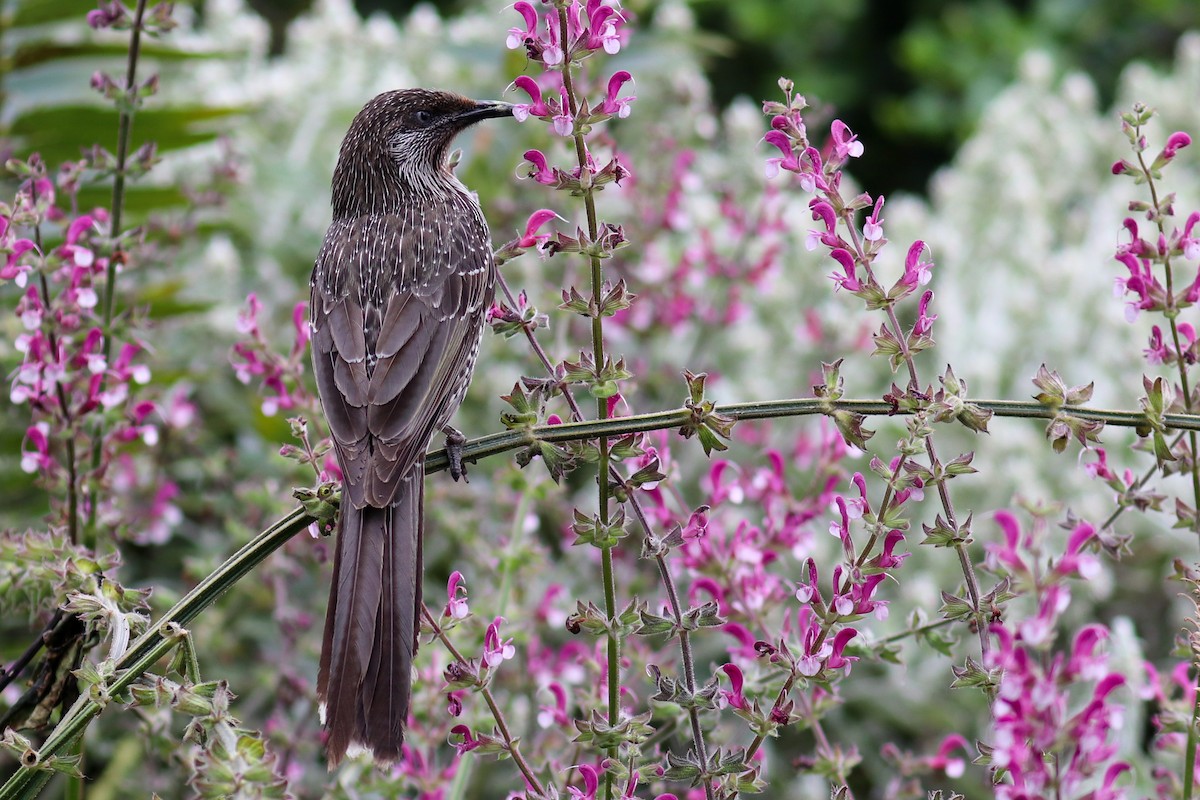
(423, 118)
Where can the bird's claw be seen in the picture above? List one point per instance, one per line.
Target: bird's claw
(454, 450)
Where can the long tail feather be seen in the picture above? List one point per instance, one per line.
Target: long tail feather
(365, 677)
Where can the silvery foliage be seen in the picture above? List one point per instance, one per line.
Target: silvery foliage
(1022, 223)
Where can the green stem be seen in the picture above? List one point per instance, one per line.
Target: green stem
(151, 646)
(685, 645)
(596, 270)
(117, 256)
(508, 565)
(124, 131)
(1171, 313)
(512, 745)
(1189, 762)
(495, 443)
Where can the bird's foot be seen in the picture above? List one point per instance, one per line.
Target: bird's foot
(454, 450)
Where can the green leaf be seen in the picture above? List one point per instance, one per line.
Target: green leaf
(31, 54)
(42, 12)
(60, 132)
(164, 301)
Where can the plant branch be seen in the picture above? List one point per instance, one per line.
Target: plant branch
(495, 443)
(511, 745)
(596, 271)
(127, 108)
(685, 646)
(151, 646)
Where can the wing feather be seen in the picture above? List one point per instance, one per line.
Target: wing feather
(396, 328)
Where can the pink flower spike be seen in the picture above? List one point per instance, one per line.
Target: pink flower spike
(617, 105)
(535, 107)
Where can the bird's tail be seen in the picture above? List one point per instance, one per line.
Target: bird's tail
(371, 626)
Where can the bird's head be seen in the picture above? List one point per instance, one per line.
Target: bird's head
(403, 137)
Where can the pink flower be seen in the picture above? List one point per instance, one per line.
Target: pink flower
(463, 740)
(845, 142)
(602, 28)
(495, 650)
(37, 458)
(456, 593)
(1099, 468)
(925, 320)
(873, 227)
(1076, 562)
(531, 237)
(12, 269)
(540, 171)
(916, 272)
(1008, 555)
(848, 280)
(300, 325)
(788, 161)
(552, 52)
(535, 107)
(733, 696)
(1175, 142)
(1188, 243)
(591, 782)
(617, 105)
(518, 37)
(953, 767)
(564, 123)
(836, 658)
(556, 715)
(247, 319)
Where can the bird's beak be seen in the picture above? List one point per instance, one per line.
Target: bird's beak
(485, 109)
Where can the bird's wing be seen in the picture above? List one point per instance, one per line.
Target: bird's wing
(397, 310)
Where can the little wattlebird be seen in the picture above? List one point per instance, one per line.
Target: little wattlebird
(399, 294)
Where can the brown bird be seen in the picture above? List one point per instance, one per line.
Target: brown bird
(399, 293)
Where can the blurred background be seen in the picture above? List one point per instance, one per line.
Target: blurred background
(990, 127)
